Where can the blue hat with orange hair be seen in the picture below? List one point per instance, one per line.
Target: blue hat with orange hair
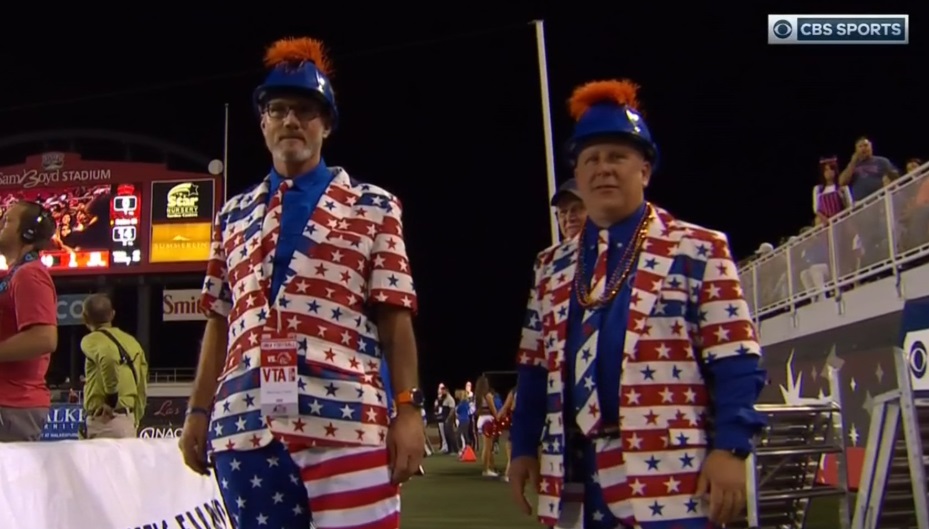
(609, 109)
(298, 66)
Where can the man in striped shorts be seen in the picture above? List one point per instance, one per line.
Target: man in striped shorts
(309, 290)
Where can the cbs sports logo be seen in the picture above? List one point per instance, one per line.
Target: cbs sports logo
(838, 29)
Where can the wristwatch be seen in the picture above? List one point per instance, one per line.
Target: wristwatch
(413, 397)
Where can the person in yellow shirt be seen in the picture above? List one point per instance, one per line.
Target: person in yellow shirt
(116, 371)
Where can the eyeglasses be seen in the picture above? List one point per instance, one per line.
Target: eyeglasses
(302, 111)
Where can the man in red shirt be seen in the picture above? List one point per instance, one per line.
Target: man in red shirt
(28, 322)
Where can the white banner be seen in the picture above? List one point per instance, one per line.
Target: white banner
(181, 305)
(105, 484)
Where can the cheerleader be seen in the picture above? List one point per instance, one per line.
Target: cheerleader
(487, 409)
(504, 417)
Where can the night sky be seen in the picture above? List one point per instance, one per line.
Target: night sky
(443, 109)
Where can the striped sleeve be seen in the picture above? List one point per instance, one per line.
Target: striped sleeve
(531, 350)
(216, 295)
(391, 280)
(725, 323)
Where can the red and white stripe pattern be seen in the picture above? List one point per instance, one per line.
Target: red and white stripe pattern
(349, 488)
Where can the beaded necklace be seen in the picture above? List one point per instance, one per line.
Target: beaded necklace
(619, 275)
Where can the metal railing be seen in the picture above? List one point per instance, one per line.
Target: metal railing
(171, 375)
(878, 236)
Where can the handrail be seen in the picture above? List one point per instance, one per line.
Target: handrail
(879, 235)
(168, 375)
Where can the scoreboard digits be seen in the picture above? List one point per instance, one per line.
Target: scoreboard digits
(125, 215)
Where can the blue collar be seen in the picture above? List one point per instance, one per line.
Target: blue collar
(621, 231)
(318, 174)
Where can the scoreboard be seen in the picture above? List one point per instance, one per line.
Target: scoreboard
(117, 217)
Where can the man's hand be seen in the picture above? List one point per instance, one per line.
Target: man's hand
(193, 443)
(524, 471)
(722, 483)
(405, 443)
(104, 414)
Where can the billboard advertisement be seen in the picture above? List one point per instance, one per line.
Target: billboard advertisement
(164, 417)
(116, 217)
(71, 309)
(181, 305)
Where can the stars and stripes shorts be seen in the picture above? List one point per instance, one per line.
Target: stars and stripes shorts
(303, 488)
(595, 490)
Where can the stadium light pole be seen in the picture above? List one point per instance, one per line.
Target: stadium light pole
(226, 156)
(547, 125)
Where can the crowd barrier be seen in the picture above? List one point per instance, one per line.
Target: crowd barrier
(105, 484)
(879, 235)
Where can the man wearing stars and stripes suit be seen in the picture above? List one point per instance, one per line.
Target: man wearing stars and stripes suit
(638, 365)
(309, 290)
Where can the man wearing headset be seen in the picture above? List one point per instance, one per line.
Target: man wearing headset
(28, 322)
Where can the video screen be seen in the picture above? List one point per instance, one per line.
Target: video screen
(84, 236)
(82, 214)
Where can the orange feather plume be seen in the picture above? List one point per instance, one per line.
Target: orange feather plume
(299, 50)
(621, 92)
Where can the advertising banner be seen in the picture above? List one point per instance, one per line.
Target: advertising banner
(124, 484)
(70, 308)
(181, 242)
(63, 422)
(915, 340)
(181, 305)
(164, 417)
(182, 201)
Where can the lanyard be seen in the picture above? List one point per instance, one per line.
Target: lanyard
(28, 258)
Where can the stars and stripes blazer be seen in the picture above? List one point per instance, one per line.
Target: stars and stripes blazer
(352, 256)
(687, 308)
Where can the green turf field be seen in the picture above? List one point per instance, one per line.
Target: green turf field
(454, 495)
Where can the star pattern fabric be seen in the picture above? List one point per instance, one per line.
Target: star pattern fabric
(291, 486)
(263, 488)
(585, 363)
(352, 256)
(686, 310)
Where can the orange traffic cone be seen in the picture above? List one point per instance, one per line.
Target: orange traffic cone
(467, 455)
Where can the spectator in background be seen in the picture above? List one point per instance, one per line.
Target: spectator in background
(829, 198)
(117, 374)
(463, 412)
(487, 408)
(915, 218)
(865, 172)
(569, 208)
(444, 408)
(815, 259)
(503, 414)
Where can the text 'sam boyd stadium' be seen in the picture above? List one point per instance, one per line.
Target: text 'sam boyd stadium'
(117, 217)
